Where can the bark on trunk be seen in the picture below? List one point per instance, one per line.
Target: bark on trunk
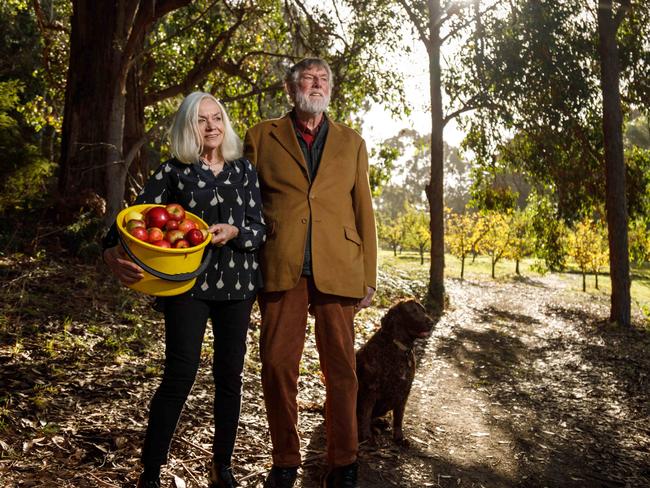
(434, 190)
(615, 198)
(134, 132)
(105, 38)
(92, 105)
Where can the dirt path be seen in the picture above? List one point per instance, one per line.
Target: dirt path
(519, 386)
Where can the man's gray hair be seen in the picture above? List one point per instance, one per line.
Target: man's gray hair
(293, 73)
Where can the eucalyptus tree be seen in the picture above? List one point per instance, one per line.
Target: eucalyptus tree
(106, 38)
(436, 23)
(128, 59)
(558, 117)
(610, 18)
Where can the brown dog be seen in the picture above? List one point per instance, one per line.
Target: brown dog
(386, 367)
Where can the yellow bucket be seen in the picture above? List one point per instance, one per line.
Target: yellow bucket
(167, 272)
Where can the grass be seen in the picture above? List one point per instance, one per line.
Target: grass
(480, 269)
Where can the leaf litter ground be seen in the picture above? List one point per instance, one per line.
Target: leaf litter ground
(521, 385)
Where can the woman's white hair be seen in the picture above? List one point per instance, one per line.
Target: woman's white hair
(186, 137)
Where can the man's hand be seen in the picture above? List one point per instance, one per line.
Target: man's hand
(366, 301)
(121, 266)
(222, 233)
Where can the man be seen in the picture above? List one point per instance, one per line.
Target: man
(320, 257)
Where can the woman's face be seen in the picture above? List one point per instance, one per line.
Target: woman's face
(210, 125)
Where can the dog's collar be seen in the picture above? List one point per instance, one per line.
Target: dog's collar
(401, 346)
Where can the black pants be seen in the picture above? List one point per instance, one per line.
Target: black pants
(185, 322)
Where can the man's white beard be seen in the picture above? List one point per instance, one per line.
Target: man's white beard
(306, 104)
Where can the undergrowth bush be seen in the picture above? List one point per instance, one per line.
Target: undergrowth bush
(82, 237)
(394, 284)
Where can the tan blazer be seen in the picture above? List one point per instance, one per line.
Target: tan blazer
(338, 202)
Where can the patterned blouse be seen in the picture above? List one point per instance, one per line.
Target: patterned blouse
(232, 197)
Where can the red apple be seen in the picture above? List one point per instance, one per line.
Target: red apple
(155, 234)
(133, 224)
(181, 244)
(171, 225)
(157, 217)
(176, 211)
(139, 233)
(172, 236)
(186, 225)
(195, 236)
(161, 243)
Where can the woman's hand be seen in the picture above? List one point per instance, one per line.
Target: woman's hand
(222, 233)
(121, 266)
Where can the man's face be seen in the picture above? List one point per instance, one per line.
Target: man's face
(312, 91)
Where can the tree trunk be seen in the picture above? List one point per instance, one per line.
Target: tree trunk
(615, 198)
(134, 132)
(517, 267)
(584, 281)
(91, 139)
(434, 190)
(494, 265)
(105, 38)
(462, 268)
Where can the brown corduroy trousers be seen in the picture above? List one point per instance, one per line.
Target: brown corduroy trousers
(282, 339)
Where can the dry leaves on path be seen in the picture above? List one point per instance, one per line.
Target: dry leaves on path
(521, 385)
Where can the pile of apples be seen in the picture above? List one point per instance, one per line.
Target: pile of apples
(165, 227)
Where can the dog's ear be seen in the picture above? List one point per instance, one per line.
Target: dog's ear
(391, 318)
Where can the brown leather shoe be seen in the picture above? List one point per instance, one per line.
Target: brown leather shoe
(341, 477)
(281, 477)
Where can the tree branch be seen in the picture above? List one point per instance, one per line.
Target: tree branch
(473, 103)
(621, 12)
(43, 26)
(147, 13)
(468, 22)
(416, 23)
(275, 87)
(314, 23)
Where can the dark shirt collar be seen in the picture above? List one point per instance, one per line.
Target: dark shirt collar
(300, 125)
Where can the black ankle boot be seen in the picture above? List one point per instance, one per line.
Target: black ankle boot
(221, 476)
(152, 483)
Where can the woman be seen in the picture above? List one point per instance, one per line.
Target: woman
(208, 177)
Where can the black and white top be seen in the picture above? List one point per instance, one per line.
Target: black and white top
(232, 197)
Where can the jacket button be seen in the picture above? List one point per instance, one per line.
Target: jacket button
(304, 221)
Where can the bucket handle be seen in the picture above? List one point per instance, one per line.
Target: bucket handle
(165, 276)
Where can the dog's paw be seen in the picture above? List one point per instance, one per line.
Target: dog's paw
(371, 443)
(402, 442)
(380, 423)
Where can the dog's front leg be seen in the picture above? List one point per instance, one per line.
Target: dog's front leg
(398, 419)
(365, 405)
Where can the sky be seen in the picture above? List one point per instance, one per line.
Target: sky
(379, 124)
